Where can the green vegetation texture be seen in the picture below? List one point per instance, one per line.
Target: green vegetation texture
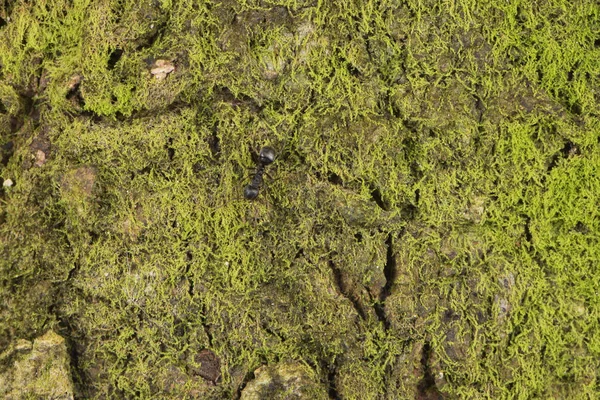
(431, 225)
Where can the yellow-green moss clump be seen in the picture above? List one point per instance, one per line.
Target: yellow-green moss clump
(430, 226)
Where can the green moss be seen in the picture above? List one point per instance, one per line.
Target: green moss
(430, 224)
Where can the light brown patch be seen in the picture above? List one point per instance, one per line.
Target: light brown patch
(161, 69)
(40, 158)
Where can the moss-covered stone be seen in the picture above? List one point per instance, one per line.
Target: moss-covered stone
(37, 370)
(283, 381)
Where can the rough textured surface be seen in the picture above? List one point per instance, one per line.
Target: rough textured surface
(285, 381)
(430, 227)
(38, 370)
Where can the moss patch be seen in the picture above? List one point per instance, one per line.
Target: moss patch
(430, 225)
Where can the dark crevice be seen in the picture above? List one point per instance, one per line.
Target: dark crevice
(575, 108)
(198, 167)
(582, 228)
(6, 151)
(74, 94)
(158, 30)
(95, 118)
(369, 46)
(72, 272)
(205, 326)
(527, 229)
(388, 106)
(253, 154)
(224, 95)
(426, 387)
(390, 273)
(568, 150)
(94, 236)
(543, 352)
(411, 125)
(170, 149)
(480, 107)
(449, 316)
(214, 144)
(512, 335)
(380, 312)
(359, 237)
(114, 58)
(510, 386)
(74, 341)
(566, 100)
(516, 331)
(275, 105)
(335, 179)
(136, 115)
(352, 70)
(299, 253)
(74, 349)
(144, 171)
(179, 330)
(28, 103)
(553, 162)
(273, 333)
(378, 198)
(539, 75)
(247, 378)
(188, 266)
(571, 72)
(331, 386)
(344, 291)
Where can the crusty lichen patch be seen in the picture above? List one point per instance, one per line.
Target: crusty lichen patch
(283, 381)
(429, 227)
(37, 370)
